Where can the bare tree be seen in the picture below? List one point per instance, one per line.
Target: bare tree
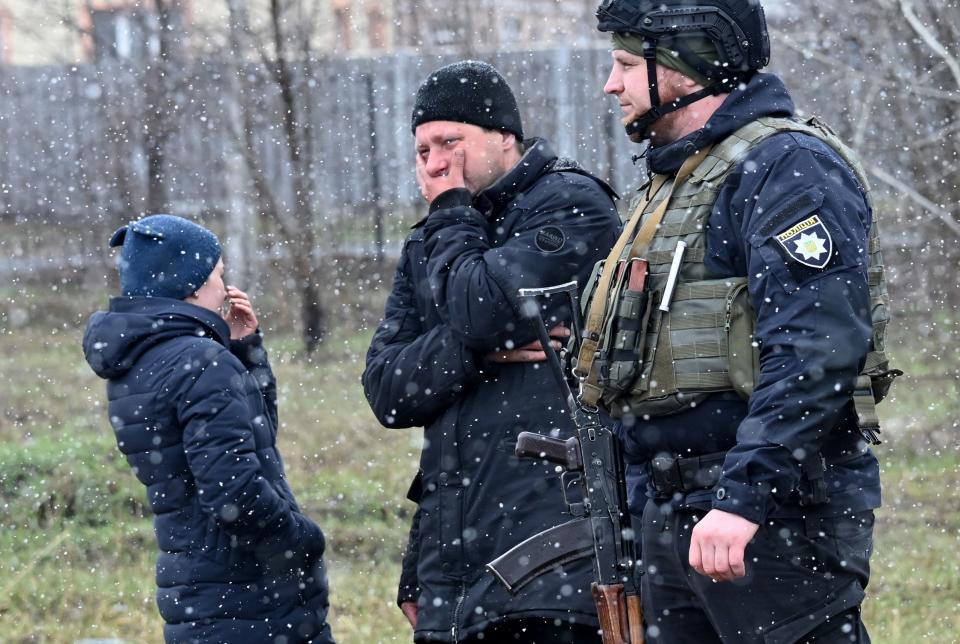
(164, 73)
(157, 56)
(286, 51)
(886, 74)
(240, 224)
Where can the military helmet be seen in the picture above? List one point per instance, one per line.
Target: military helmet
(737, 28)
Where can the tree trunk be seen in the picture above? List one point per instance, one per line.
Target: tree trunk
(312, 315)
(160, 88)
(156, 191)
(240, 224)
(376, 196)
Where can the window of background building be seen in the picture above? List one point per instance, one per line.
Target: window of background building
(6, 28)
(341, 13)
(129, 33)
(377, 28)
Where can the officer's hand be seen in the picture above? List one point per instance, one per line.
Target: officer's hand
(240, 316)
(410, 612)
(435, 184)
(532, 352)
(717, 545)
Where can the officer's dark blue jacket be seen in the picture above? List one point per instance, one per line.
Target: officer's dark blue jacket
(453, 301)
(813, 325)
(195, 414)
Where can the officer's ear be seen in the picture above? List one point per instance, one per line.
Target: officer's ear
(508, 141)
(671, 77)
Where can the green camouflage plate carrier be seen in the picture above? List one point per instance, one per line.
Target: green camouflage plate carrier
(705, 343)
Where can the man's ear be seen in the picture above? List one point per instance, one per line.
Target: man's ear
(509, 140)
(671, 77)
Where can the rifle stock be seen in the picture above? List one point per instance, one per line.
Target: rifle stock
(620, 615)
(635, 617)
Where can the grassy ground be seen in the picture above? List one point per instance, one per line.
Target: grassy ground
(77, 545)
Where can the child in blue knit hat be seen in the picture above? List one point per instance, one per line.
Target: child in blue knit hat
(193, 405)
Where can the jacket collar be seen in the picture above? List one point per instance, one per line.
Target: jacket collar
(764, 95)
(537, 156)
(167, 307)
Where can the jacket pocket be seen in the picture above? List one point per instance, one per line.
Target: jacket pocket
(415, 491)
(795, 628)
(228, 552)
(450, 519)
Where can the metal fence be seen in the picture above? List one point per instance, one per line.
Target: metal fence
(73, 148)
(73, 142)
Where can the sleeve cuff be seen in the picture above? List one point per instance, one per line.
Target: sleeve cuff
(752, 502)
(250, 349)
(451, 199)
(408, 594)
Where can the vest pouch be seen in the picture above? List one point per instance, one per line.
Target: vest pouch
(880, 383)
(743, 350)
(876, 366)
(685, 355)
(622, 355)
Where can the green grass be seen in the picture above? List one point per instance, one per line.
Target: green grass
(78, 546)
(915, 587)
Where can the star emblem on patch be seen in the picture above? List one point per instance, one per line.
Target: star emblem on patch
(808, 242)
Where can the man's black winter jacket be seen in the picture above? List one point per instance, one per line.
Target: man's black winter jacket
(545, 222)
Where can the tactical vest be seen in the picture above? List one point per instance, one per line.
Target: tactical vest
(654, 363)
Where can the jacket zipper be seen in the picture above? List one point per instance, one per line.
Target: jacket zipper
(454, 630)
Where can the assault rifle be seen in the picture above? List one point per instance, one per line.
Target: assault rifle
(601, 527)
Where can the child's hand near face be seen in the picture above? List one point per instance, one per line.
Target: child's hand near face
(240, 315)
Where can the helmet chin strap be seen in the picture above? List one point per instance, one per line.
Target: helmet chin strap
(638, 126)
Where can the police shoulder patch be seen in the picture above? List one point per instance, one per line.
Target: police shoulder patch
(808, 242)
(549, 239)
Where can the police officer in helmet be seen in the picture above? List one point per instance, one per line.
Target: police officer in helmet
(745, 387)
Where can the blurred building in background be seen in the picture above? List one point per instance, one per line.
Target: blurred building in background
(86, 31)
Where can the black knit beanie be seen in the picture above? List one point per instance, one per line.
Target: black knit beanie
(469, 91)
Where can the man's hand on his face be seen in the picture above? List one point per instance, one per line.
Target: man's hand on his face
(717, 545)
(432, 187)
(240, 317)
(532, 352)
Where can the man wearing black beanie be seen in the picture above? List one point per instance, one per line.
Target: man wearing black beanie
(453, 356)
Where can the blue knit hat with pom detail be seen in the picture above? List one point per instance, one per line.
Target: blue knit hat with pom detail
(164, 256)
